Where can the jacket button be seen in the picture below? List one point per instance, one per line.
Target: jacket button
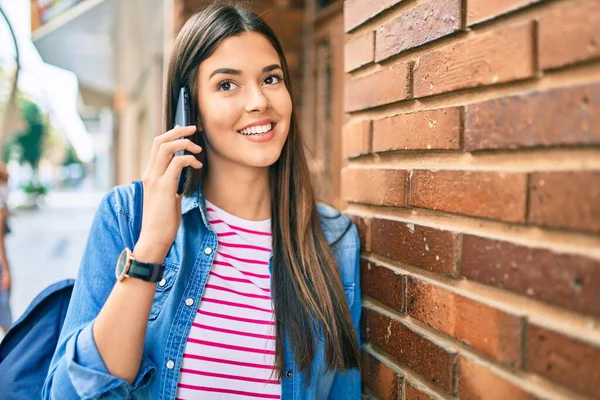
(189, 302)
(207, 251)
(170, 364)
(162, 282)
(289, 373)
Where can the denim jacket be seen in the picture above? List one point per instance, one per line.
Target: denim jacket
(77, 370)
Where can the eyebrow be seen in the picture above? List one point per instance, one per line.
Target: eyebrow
(231, 71)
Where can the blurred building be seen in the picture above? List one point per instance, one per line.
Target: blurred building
(52, 90)
(115, 49)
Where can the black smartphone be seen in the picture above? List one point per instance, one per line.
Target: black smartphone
(182, 118)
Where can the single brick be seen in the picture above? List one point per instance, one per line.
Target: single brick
(356, 12)
(382, 284)
(379, 88)
(422, 24)
(482, 10)
(564, 280)
(375, 186)
(564, 360)
(569, 34)
(359, 51)
(503, 55)
(420, 246)
(379, 378)
(431, 129)
(496, 195)
(357, 138)
(531, 119)
(569, 200)
(489, 330)
(477, 381)
(423, 356)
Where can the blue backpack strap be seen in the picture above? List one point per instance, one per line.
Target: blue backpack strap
(138, 204)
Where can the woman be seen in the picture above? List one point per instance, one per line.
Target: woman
(257, 293)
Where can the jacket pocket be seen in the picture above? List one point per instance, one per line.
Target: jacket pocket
(163, 288)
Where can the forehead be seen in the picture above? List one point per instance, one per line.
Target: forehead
(246, 52)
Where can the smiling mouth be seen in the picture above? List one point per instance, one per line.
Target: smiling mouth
(257, 130)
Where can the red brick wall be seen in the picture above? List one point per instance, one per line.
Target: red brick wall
(473, 148)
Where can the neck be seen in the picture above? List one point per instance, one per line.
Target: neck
(240, 191)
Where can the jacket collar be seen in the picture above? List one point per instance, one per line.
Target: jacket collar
(195, 200)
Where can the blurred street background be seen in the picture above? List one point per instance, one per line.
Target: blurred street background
(46, 244)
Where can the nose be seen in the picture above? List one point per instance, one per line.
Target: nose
(257, 101)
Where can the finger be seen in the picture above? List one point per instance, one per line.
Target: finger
(169, 136)
(177, 164)
(179, 132)
(168, 150)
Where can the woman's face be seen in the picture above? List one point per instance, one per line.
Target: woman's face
(244, 104)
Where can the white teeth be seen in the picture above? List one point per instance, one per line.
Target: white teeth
(255, 130)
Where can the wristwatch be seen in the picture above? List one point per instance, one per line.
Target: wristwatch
(128, 267)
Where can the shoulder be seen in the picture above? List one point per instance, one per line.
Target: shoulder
(342, 236)
(119, 200)
(339, 230)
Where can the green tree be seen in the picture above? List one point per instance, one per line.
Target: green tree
(31, 140)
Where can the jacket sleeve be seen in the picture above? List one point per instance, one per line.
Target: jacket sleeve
(347, 385)
(77, 370)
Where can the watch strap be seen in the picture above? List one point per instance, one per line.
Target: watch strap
(145, 271)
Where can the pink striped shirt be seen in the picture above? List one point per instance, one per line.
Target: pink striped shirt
(230, 351)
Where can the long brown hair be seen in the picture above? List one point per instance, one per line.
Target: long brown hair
(306, 288)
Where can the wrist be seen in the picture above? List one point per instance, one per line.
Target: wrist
(149, 253)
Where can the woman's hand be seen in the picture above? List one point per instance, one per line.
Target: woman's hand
(162, 205)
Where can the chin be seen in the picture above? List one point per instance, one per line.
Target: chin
(265, 160)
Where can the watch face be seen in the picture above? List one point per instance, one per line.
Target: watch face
(122, 262)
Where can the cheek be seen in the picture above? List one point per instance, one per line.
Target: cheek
(220, 116)
(283, 104)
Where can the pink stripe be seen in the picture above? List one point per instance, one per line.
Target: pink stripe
(230, 362)
(226, 264)
(244, 246)
(223, 234)
(232, 279)
(231, 332)
(231, 347)
(225, 376)
(231, 303)
(229, 317)
(239, 228)
(246, 260)
(224, 289)
(210, 209)
(229, 391)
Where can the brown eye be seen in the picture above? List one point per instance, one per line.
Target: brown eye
(226, 86)
(273, 79)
